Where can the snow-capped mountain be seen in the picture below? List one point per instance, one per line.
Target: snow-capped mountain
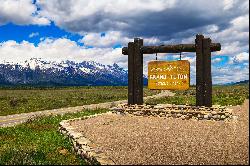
(40, 72)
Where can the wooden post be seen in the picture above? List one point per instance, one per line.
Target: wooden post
(203, 48)
(130, 73)
(138, 71)
(199, 70)
(207, 76)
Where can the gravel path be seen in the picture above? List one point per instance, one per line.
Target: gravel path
(154, 140)
(12, 120)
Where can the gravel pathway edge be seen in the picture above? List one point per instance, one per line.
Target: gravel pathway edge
(83, 146)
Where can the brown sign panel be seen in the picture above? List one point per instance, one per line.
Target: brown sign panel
(169, 75)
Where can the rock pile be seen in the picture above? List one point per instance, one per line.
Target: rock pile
(216, 112)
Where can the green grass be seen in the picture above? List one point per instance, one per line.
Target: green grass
(221, 95)
(25, 99)
(39, 142)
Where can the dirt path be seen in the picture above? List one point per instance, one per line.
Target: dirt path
(11, 120)
(153, 140)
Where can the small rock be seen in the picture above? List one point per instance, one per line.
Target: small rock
(179, 115)
(138, 113)
(213, 112)
(168, 115)
(200, 116)
(234, 117)
(83, 141)
(158, 106)
(173, 115)
(215, 106)
(217, 117)
(209, 115)
(222, 117)
(229, 110)
(183, 117)
(205, 116)
(120, 113)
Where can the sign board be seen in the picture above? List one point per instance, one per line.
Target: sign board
(169, 75)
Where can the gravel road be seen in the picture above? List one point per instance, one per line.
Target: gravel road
(154, 140)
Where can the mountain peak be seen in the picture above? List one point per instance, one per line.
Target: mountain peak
(36, 71)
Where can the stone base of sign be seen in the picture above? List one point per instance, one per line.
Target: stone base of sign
(184, 112)
(83, 146)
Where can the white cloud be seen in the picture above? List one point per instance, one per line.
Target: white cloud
(229, 74)
(212, 28)
(216, 60)
(242, 57)
(109, 40)
(60, 12)
(235, 38)
(112, 38)
(58, 50)
(156, 21)
(228, 4)
(140, 18)
(65, 49)
(21, 12)
(33, 34)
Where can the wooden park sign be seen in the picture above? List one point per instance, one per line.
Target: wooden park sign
(203, 48)
(169, 75)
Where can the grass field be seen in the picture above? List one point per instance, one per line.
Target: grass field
(221, 95)
(39, 142)
(20, 100)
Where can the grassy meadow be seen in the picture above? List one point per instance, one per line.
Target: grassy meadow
(22, 100)
(39, 142)
(221, 95)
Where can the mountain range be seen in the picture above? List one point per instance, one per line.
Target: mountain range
(38, 72)
(66, 73)
(238, 83)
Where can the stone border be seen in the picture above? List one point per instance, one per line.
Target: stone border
(83, 146)
(185, 112)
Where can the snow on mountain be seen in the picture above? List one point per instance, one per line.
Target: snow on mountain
(36, 71)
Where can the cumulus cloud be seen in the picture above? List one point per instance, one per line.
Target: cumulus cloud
(21, 12)
(140, 18)
(64, 49)
(111, 38)
(229, 74)
(241, 57)
(156, 21)
(59, 50)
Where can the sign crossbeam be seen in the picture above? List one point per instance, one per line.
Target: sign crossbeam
(172, 48)
(203, 48)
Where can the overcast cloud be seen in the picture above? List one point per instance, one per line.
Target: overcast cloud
(156, 21)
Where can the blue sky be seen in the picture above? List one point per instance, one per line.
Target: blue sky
(91, 30)
(19, 33)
